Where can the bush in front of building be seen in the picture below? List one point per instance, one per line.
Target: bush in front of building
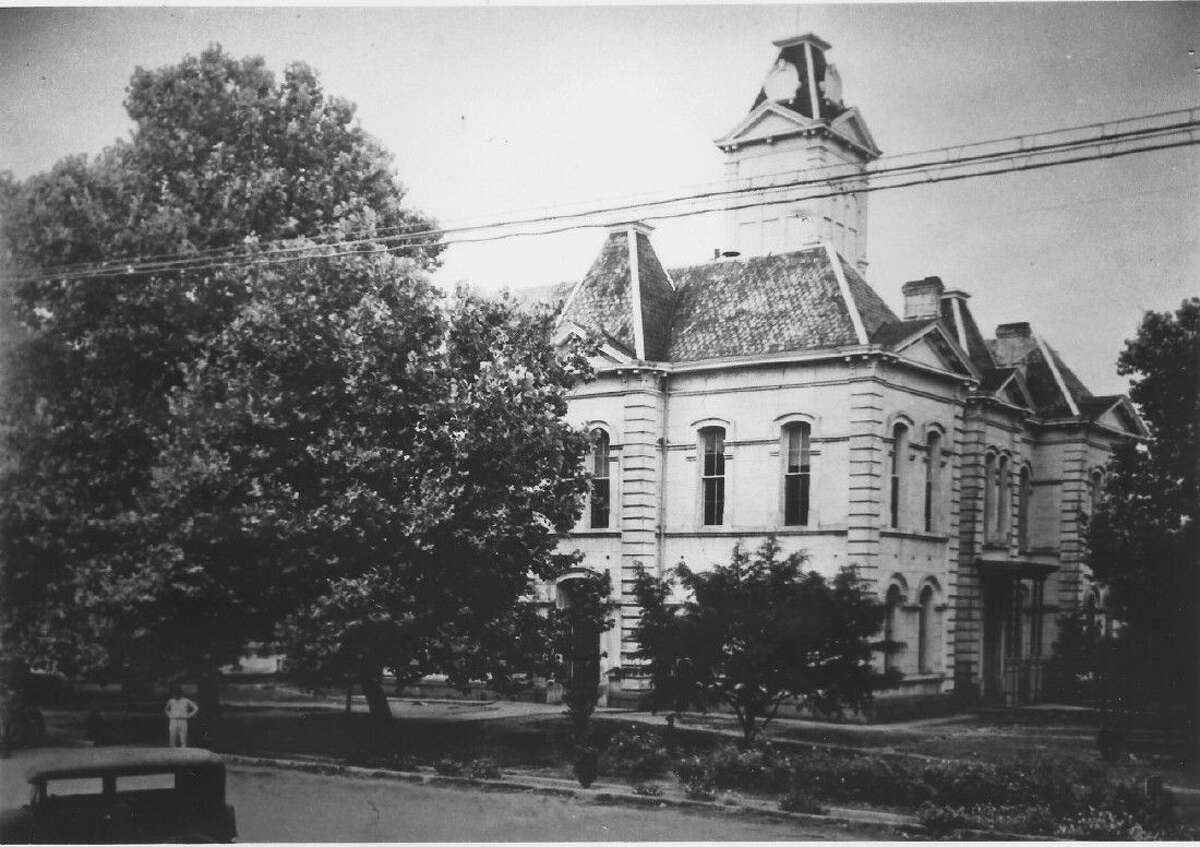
(448, 767)
(801, 801)
(758, 770)
(942, 820)
(637, 754)
(484, 768)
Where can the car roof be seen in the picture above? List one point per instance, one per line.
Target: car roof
(98, 761)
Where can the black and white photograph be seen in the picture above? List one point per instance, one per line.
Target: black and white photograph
(556, 423)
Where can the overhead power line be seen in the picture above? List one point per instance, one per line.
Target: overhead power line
(1016, 153)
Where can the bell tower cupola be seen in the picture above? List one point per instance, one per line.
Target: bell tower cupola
(799, 130)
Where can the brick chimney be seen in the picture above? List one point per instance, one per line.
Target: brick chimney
(922, 298)
(1014, 330)
(1013, 343)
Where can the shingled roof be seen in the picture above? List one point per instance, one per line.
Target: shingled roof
(1055, 389)
(768, 304)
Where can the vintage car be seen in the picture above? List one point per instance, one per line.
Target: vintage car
(106, 795)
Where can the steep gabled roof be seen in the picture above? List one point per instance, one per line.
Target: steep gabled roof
(871, 308)
(768, 304)
(891, 334)
(967, 332)
(602, 299)
(1114, 410)
(1054, 388)
(657, 298)
(626, 295)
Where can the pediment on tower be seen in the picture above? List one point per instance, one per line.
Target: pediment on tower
(768, 120)
(851, 126)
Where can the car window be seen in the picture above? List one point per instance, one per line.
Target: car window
(145, 782)
(76, 785)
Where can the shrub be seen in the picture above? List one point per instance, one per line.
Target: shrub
(403, 762)
(1024, 820)
(865, 778)
(643, 789)
(1094, 824)
(759, 769)
(485, 768)
(974, 783)
(695, 775)
(586, 765)
(942, 820)
(448, 767)
(638, 755)
(799, 801)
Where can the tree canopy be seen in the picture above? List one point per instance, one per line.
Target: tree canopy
(378, 472)
(757, 632)
(1144, 539)
(221, 155)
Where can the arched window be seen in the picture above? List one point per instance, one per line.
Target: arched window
(712, 475)
(1097, 489)
(989, 496)
(1089, 610)
(925, 658)
(933, 467)
(1003, 508)
(1025, 493)
(797, 474)
(899, 449)
(891, 625)
(601, 488)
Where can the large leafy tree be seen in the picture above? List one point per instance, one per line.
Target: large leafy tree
(1144, 539)
(223, 157)
(759, 631)
(380, 473)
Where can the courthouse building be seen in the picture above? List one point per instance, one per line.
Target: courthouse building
(772, 391)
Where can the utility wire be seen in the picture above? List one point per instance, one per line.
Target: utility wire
(1179, 120)
(937, 170)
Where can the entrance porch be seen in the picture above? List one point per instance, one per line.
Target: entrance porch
(1014, 616)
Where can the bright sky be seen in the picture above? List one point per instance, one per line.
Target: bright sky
(490, 110)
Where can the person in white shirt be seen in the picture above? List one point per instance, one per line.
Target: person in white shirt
(179, 711)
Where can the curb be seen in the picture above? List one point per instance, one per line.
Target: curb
(603, 796)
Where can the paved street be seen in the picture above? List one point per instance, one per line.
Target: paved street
(289, 806)
(284, 805)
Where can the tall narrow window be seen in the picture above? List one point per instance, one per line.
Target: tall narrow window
(1097, 492)
(713, 476)
(1002, 500)
(925, 632)
(933, 467)
(600, 480)
(797, 475)
(989, 496)
(891, 626)
(899, 448)
(1025, 492)
(1036, 619)
(1016, 621)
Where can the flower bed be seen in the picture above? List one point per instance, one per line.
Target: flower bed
(1035, 797)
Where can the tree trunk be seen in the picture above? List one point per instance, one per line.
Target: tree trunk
(208, 699)
(370, 679)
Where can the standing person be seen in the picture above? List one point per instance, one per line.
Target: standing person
(179, 711)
